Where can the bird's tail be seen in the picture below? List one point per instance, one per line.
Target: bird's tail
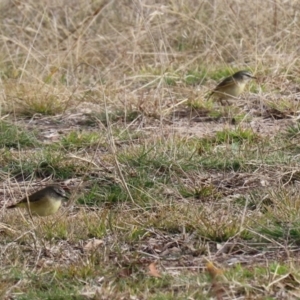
(11, 206)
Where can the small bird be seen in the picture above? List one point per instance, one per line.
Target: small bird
(44, 202)
(231, 87)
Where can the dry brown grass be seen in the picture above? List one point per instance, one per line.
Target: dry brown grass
(172, 196)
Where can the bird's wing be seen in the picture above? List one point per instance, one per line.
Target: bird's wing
(226, 82)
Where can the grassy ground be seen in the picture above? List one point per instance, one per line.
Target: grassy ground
(171, 196)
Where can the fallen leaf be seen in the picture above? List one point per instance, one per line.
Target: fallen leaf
(125, 272)
(153, 271)
(212, 270)
(93, 244)
(217, 288)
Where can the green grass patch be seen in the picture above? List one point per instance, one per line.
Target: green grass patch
(12, 136)
(238, 136)
(195, 77)
(44, 163)
(78, 140)
(48, 286)
(104, 191)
